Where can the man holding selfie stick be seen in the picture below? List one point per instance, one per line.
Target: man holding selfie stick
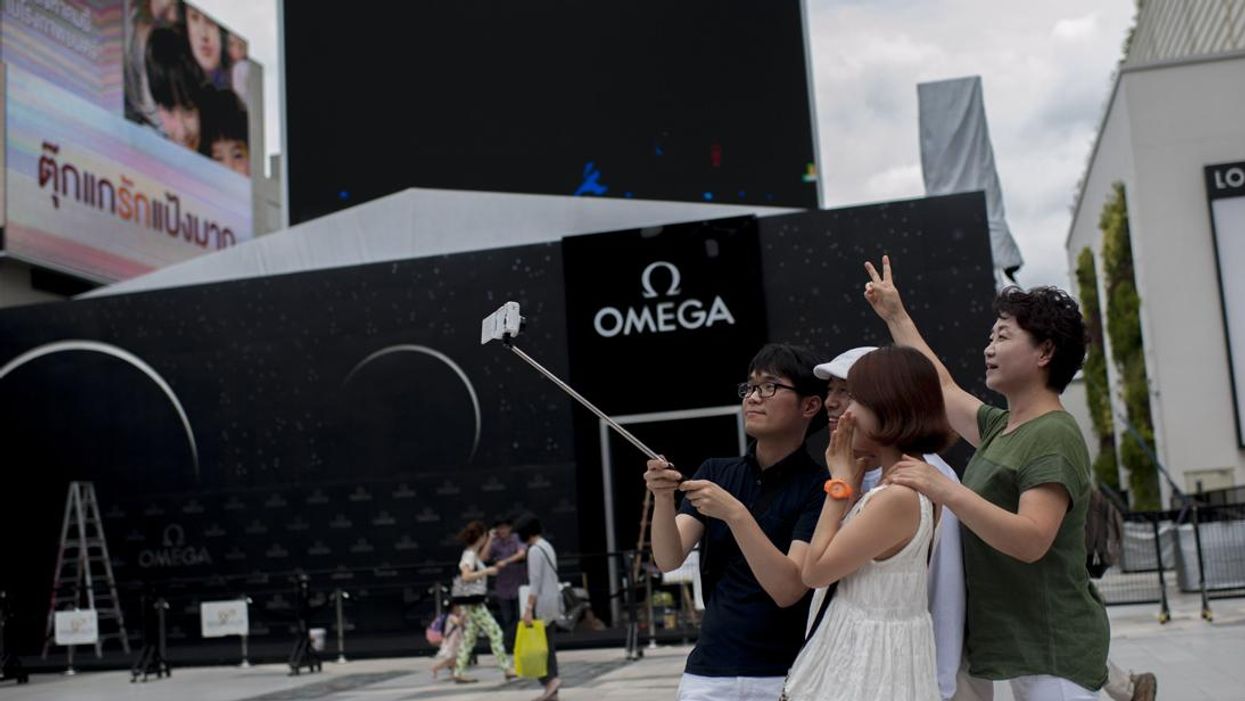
(753, 516)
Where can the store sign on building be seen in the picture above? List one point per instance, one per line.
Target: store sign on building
(687, 298)
(669, 314)
(1225, 191)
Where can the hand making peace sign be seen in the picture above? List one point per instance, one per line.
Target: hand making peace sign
(881, 292)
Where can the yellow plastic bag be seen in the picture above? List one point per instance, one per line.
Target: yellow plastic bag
(531, 650)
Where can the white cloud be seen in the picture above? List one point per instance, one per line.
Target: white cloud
(1076, 29)
(1044, 92)
(896, 183)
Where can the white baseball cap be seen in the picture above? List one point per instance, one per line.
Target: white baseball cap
(842, 363)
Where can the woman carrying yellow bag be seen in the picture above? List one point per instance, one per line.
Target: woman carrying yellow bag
(543, 601)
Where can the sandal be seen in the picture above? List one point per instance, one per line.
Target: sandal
(463, 680)
(551, 691)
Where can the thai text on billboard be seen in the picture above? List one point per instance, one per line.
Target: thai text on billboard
(127, 145)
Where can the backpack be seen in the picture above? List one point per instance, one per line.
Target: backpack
(1104, 534)
(435, 632)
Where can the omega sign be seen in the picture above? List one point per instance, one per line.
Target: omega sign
(175, 552)
(665, 316)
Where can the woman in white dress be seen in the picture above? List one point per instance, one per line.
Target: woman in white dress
(875, 639)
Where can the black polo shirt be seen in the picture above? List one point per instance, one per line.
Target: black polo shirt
(743, 632)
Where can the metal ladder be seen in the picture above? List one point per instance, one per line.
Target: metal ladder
(83, 551)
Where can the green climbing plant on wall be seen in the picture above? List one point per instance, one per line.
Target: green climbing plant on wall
(1097, 387)
(1127, 348)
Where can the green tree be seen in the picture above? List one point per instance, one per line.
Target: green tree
(1128, 348)
(1097, 387)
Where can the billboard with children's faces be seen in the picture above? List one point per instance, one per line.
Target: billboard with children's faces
(127, 145)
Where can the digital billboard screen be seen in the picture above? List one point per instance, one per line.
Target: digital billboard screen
(127, 135)
(693, 100)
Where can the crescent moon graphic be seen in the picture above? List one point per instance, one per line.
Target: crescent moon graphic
(410, 348)
(121, 354)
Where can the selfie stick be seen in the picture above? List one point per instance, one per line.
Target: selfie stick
(504, 325)
(508, 341)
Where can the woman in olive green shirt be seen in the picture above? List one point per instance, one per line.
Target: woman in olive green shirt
(1033, 617)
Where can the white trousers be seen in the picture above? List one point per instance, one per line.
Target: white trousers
(1037, 687)
(693, 687)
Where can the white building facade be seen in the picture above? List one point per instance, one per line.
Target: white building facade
(1177, 107)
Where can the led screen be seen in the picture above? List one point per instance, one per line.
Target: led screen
(690, 101)
(127, 135)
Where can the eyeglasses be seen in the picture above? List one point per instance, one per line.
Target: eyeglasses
(764, 390)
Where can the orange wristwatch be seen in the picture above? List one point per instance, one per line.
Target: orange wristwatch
(838, 489)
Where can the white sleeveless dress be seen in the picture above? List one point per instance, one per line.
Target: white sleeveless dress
(876, 640)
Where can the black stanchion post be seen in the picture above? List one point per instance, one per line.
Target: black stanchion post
(1164, 612)
(1207, 615)
(339, 595)
(246, 659)
(10, 664)
(633, 623)
(648, 596)
(162, 650)
(148, 651)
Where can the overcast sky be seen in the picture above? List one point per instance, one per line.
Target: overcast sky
(1045, 66)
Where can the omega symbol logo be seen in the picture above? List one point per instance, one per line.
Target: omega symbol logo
(174, 536)
(662, 317)
(646, 279)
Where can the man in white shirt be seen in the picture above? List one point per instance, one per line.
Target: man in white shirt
(946, 567)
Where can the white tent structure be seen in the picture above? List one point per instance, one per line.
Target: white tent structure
(416, 223)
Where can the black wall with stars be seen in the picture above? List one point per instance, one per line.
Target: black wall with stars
(939, 246)
(308, 456)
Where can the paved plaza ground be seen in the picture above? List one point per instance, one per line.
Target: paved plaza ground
(1194, 660)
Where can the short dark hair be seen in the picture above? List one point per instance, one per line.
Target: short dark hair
(1049, 314)
(173, 75)
(223, 118)
(472, 532)
(527, 526)
(793, 362)
(901, 387)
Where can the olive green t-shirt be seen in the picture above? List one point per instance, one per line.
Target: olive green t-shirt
(1044, 617)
